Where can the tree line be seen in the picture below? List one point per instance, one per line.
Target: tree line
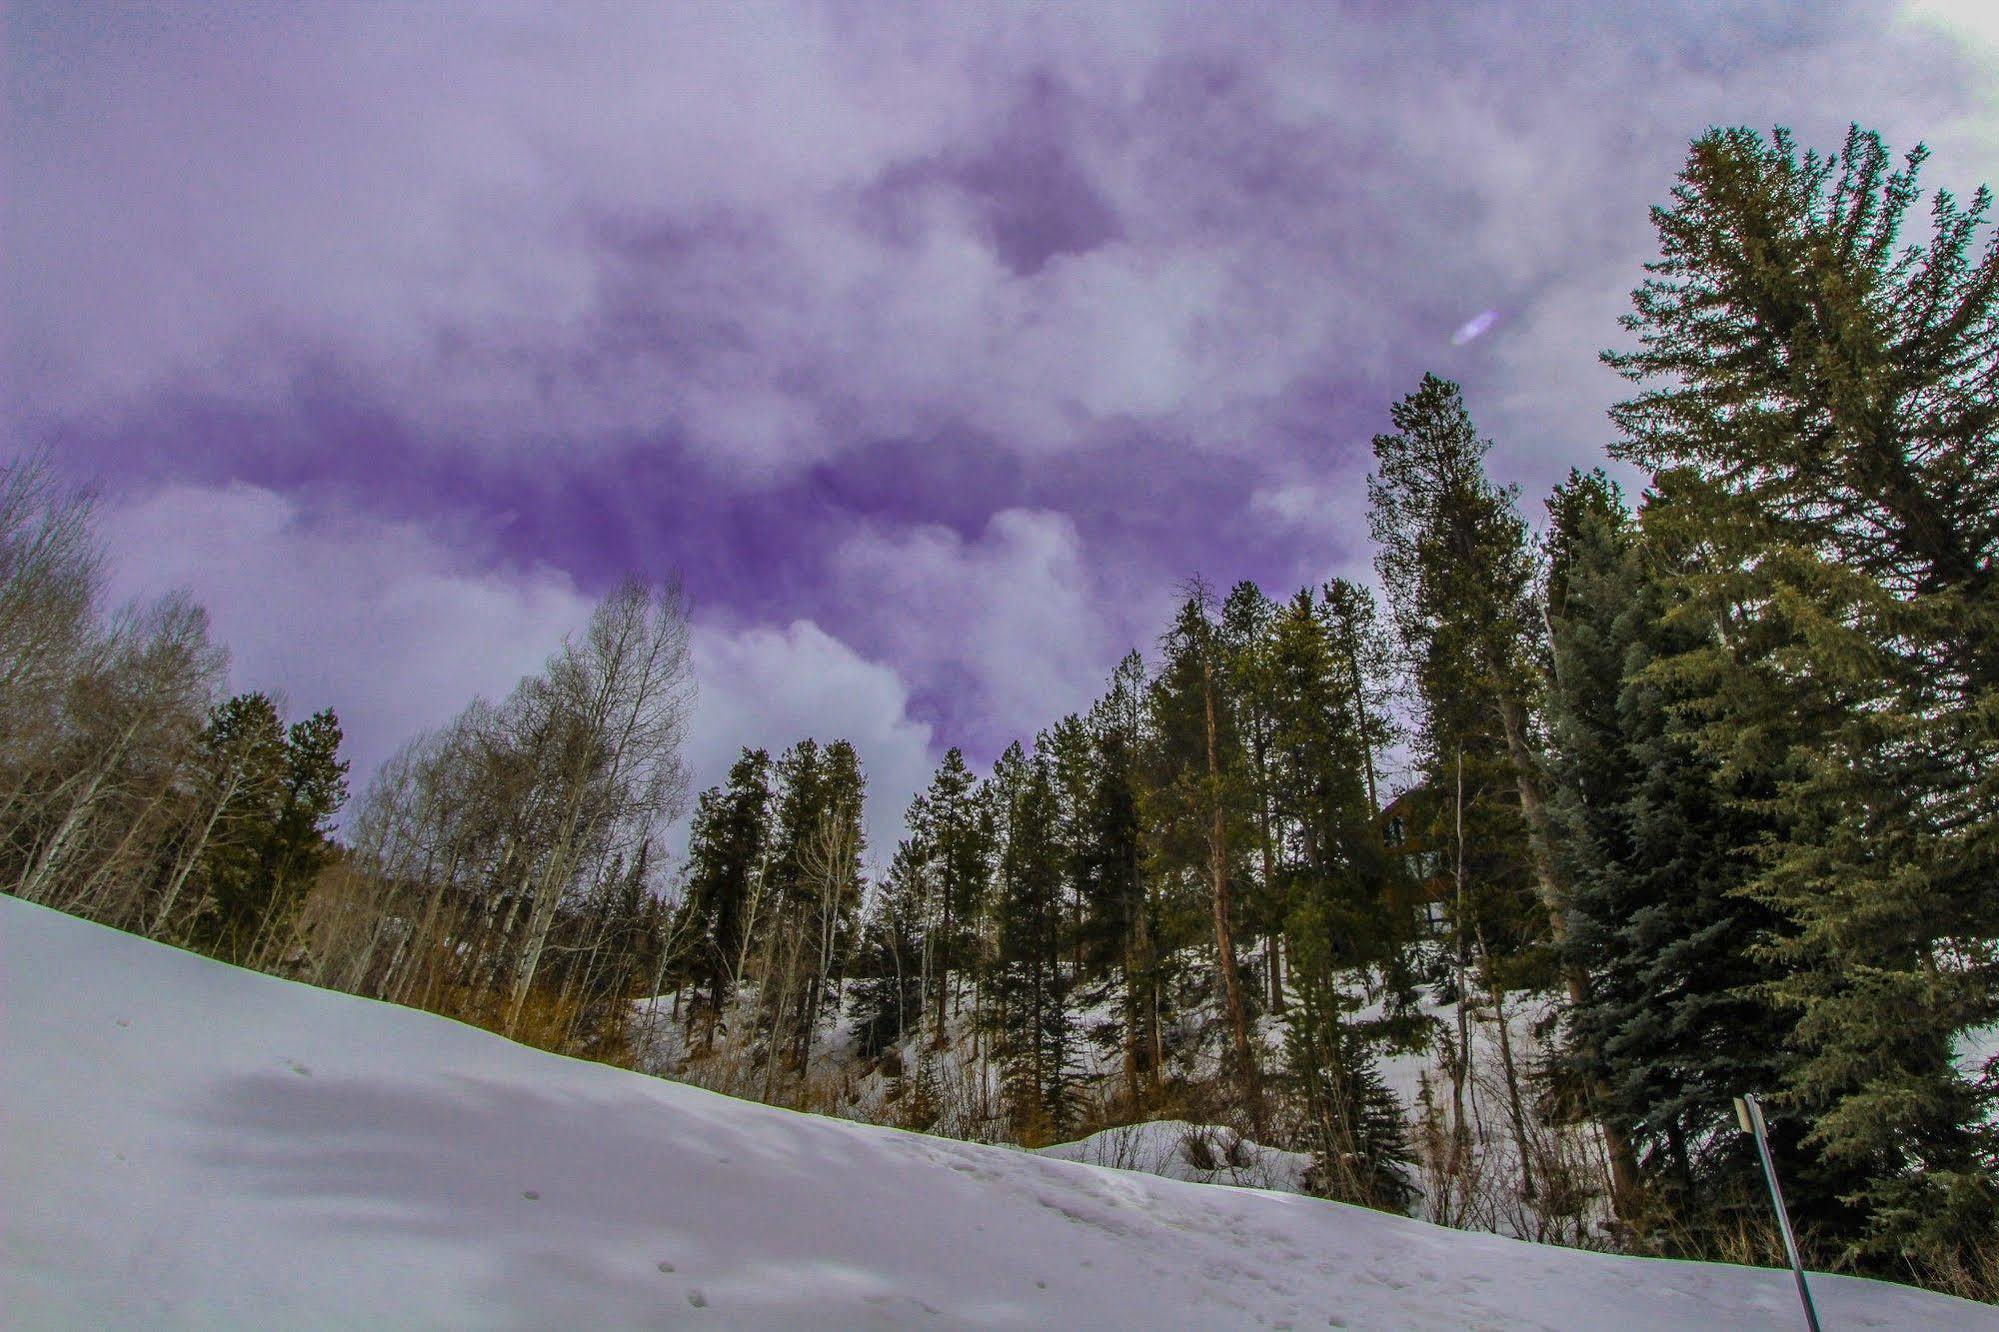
(1719, 769)
(504, 869)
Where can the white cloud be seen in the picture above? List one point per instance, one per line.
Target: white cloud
(1014, 616)
(1330, 508)
(1972, 23)
(764, 688)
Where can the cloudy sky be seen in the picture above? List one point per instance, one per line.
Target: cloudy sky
(931, 344)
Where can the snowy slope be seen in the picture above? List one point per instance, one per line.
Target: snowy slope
(187, 1144)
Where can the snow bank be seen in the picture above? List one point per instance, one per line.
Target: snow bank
(187, 1144)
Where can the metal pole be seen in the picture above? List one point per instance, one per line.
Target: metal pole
(1749, 1113)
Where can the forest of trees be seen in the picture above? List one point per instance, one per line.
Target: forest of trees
(502, 869)
(1708, 781)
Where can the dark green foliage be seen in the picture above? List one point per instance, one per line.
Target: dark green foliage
(273, 834)
(1819, 408)
(1120, 924)
(888, 990)
(955, 833)
(1201, 805)
(1353, 1124)
(814, 889)
(1654, 837)
(1029, 990)
(1724, 771)
(1456, 565)
(726, 851)
(1343, 919)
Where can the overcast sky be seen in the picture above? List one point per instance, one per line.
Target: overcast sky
(930, 344)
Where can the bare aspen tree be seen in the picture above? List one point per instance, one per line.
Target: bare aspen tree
(137, 710)
(830, 866)
(51, 571)
(623, 694)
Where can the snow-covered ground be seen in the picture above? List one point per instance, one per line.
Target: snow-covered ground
(187, 1144)
(1197, 1153)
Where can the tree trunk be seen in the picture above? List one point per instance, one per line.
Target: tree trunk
(942, 975)
(1554, 896)
(1218, 873)
(1273, 966)
(1461, 1066)
(1361, 728)
(42, 868)
(1515, 1109)
(193, 853)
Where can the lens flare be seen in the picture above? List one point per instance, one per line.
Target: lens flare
(1474, 327)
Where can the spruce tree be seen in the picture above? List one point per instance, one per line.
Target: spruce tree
(888, 985)
(726, 852)
(1817, 402)
(1455, 560)
(1199, 802)
(281, 833)
(815, 893)
(1459, 572)
(1353, 1124)
(1071, 763)
(1120, 925)
(1246, 620)
(1677, 1020)
(954, 832)
(1365, 653)
(1343, 920)
(1031, 1017)
(243, 746)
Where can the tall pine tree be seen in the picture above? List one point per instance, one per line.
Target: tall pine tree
(1817, 401)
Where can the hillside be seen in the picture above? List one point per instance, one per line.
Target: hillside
(188, 1144)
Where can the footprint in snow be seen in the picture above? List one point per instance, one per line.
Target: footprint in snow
(696, 1298)
(666, 1269)
(300, 1069)
(530, 1195)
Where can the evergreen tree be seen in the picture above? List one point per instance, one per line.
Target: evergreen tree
(1072, 765)
(726, 851)
(1319, 743)
(1353, 1123)
(888, 989)
(1030, 994)
(1343, 920)
(243, 749)
(1246, 621)
(1677, 1021)
(1119, 922)
(1456, 563)
(814, 890)
(281, 830)
(1199, 803)
(954, 832)
(1817, 404)
(1365, 653)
